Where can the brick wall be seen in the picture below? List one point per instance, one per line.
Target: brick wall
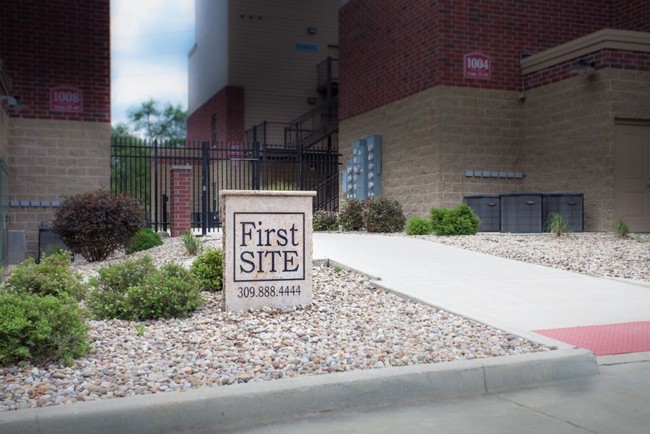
(418, 44)
(633, 15)
(181, 199)
(51, 43)
(617, 59)
(228, 106)
(4, 133)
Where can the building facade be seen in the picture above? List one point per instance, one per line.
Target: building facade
(256, 61)
(556, 92)
(55, 110)
(263, 81)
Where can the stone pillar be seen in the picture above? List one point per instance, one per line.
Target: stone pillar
(181, 200)
(267, 246)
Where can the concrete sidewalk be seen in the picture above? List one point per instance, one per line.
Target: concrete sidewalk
(515, 296)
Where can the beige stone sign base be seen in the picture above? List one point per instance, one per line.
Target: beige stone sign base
(267, 245)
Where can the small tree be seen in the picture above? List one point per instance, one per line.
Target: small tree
(96, 224)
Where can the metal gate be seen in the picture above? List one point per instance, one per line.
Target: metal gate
(142, 169)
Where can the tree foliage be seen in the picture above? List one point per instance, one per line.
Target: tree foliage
(152, 120)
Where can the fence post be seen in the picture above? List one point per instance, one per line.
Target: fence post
(181, 199)
(155, 183)
(205, 162)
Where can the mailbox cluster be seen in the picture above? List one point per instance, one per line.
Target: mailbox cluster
(361, 178)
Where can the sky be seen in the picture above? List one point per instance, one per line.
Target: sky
(150, 41)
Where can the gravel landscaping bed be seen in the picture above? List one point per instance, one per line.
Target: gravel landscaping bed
(593, 253)
(351, 325)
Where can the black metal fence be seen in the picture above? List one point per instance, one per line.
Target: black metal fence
(142, 169)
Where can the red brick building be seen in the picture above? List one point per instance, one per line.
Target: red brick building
(54, 140)
(558, 92)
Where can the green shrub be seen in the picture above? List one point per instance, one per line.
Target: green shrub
(171, 292)
(438, 216)
(117, 277)
(622, 229)
(192, 243)
(41, 329)
(456, 221)
(325, 221)
(281, 185)
(383, 215)
(98, 223)
(135, 290)
(557, 224)
(418, 226)
(351, 215)
(145, 239)
(208, 270)
(52, 276)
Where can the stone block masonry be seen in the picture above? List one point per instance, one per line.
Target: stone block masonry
(431, 138)
(267, 246)
(49, 160)
(561, 137)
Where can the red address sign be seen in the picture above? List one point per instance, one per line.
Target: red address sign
(66, 99)
(477, 65)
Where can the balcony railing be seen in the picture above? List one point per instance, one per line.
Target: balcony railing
(328, 76)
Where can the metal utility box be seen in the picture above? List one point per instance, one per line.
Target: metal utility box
(361, 178)
(374, 166)
(48, 241)
(569, 205)
(521, 213)
(488, 209)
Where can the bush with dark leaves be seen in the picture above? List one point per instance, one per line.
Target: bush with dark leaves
(383, 215)
(96, 224)
(351, 215)
(325, 221)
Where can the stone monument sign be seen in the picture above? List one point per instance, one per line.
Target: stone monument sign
(267, 245)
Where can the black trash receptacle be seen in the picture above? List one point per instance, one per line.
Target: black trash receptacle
(569, 205)
(488, 209)
(521, 212)
(48, 241)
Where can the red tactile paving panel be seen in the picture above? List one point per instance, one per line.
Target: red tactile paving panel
(603, 340)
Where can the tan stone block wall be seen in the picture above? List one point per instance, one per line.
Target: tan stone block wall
(430, 139)
(561, 137)
(49, 160)
(568, 136)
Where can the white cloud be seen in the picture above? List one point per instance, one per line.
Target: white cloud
(150, 40)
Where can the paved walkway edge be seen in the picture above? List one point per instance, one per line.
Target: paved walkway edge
(246, 405)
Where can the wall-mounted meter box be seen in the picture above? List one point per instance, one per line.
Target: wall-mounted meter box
(373, 144)
(361, 178)
(359, 169)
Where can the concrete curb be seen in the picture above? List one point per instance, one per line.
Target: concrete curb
(247, 405)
